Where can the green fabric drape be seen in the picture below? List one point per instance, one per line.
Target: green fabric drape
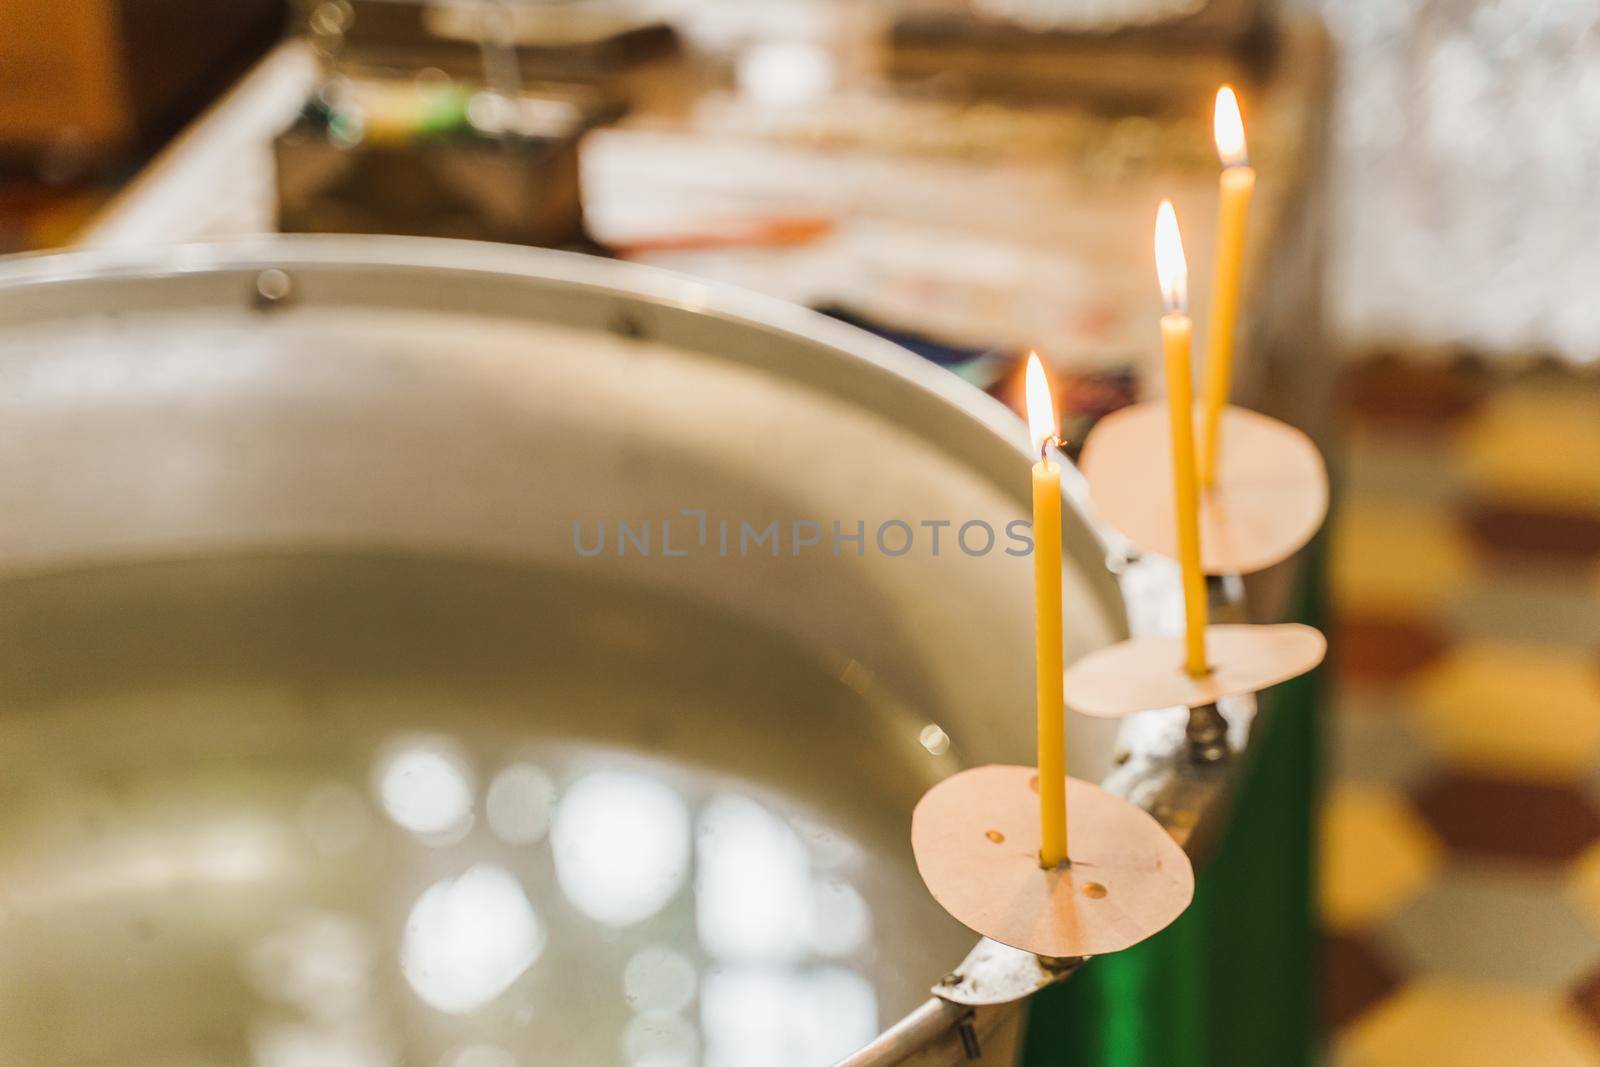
(1230, 984)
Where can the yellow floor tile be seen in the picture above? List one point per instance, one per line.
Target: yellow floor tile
(1537, 448)
(1514, 710)
(1377, 854)
(1434, 1024)
(1395, 559)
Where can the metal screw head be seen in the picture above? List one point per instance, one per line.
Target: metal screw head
(332, 18)
(273, 286)
(627, 325)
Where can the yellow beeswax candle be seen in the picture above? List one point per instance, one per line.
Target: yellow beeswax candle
(1176, 334)
(1237, 184)
(1047, 620)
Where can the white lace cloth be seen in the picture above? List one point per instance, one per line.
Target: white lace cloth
(1467, 180)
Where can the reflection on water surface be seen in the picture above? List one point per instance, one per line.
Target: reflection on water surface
(360, 810)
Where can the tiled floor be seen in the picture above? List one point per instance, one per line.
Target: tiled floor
(1460, 874)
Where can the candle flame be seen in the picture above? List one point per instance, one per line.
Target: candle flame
(1228, 126)
(1171, 268)
(1041, 408)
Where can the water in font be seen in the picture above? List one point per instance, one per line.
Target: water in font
(364, 811)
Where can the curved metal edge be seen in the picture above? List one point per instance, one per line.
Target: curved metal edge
(606, 277)
(1159, 769)
(912, 1034)
(995, 974)
(613, 277)
(1155, 772)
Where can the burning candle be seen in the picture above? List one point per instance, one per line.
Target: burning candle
(1176, 333)
(1047, 619)
(1237, 184)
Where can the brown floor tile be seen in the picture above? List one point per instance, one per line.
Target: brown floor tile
(1586, 998)
(1355, 976)
(1508, 819)
(1376, 651)
(1420, 395)
(1548, 537)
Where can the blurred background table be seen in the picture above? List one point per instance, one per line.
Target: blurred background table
(982, 220)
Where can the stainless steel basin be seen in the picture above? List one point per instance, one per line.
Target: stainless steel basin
(299, 552)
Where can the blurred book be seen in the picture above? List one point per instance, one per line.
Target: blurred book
(578, 41)
(438, 158)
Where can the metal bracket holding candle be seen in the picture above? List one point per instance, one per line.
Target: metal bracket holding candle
(1031, 858)
(1256, 502)
(1094, 874)
(1209, 662)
